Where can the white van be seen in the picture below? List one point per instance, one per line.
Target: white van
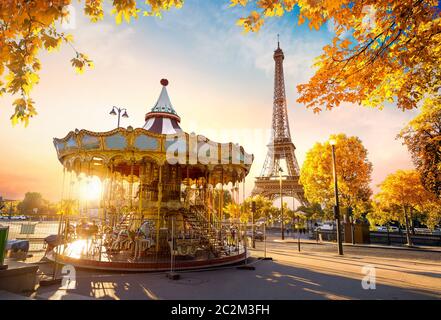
(327, 226)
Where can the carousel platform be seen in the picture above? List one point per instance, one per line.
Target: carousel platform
(124, 261)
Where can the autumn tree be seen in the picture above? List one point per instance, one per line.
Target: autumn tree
(432, 211)
(312, 211)
(8, 207)
(264, 208)
(422, 136)
(233, 211)
(30, 26)
(400, 194)
(68, 207)
(382, 51)
(353, 174)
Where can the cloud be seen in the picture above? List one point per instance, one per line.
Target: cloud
(221, 84)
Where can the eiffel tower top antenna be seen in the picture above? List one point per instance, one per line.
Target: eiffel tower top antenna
(278, 41)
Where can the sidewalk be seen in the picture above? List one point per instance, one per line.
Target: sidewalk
(376, 246)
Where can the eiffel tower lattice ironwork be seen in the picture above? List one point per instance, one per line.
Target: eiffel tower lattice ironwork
(281, 149)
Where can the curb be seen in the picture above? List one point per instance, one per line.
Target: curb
(414, 248)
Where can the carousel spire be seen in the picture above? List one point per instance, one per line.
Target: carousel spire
(163, 117)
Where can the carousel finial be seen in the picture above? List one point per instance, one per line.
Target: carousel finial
(164, 82)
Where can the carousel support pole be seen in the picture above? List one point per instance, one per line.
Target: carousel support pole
(110, 192)
(105, 197)
(141, 173)
(209, 196)
(222, 197)
(103, 219)
(172, 274)
(131, 184)
(54, 280)
(87, 182)
(159, 207)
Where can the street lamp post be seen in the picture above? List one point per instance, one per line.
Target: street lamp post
(281, 204)
(117, 111)
(352, 223)
(337, 206)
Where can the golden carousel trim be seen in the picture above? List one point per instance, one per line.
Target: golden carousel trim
(162, 193)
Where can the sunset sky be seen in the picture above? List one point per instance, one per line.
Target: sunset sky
(221, 85)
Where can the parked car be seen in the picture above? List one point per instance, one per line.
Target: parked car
(384, 229)
(423, 230)
(326, 227)
(258, 235)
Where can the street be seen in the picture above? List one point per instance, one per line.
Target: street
(317, 272)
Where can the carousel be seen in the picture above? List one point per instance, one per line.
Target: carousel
(159, 194)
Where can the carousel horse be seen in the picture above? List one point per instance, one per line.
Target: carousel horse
(122, 241)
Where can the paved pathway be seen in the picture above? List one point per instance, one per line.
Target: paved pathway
(315, 273)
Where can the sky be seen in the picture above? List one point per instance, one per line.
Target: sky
(221, 85)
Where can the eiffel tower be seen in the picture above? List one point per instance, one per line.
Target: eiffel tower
(280, 157)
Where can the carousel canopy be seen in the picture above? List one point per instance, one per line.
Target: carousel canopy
(163, 117)
(127, 150)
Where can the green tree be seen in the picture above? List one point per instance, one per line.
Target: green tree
(313, 211)
(422, 136)
(264, 208)
(31, 201)
(353, 174)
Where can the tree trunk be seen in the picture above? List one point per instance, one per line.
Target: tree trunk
(409, 239)
(412, 226)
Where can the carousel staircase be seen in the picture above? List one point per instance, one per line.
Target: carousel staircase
(125, 221)
(195, 216)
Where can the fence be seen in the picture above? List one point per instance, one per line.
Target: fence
(391, 238)
(34, 231)
(395, 238)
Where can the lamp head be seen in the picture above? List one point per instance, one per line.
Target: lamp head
(113, 113)
(332, 142)
(125, 115)
(280, 172)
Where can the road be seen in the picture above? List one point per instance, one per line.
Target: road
(316, 272)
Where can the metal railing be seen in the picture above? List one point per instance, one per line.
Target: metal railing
(185, 237)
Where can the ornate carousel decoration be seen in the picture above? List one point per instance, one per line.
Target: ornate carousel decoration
(160, 196)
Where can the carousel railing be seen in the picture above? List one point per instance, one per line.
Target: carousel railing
(192, 237)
